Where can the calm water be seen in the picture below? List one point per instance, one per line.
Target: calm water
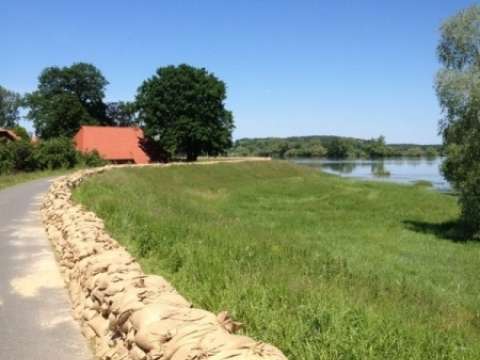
(400, 170)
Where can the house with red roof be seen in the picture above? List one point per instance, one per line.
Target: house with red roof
(8, 135)
(119, 145)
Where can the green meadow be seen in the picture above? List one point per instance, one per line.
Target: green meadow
(322, 267)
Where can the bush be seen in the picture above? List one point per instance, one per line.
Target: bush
(7, 163)
(51, 154)
(90, 159)
(23, 155)
(56, 153)
(16, 156)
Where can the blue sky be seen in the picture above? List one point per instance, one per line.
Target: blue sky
(353, 68)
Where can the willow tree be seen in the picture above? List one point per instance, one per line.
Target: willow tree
(458, 90)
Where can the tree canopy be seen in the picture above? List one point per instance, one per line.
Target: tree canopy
(318, 146)
(458, 90)
(67, 98)
(182, 108)
(10, 102)
(121, 113)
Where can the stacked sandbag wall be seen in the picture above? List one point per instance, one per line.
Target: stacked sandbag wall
(123, 312)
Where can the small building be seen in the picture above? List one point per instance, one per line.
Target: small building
(8, 135)
(120, 145)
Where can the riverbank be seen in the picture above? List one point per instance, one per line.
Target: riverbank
(321, 266)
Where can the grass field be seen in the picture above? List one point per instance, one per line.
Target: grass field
(14, 179)
(322, 267)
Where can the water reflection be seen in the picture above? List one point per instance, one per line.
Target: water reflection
(378, 169)
(340, 167)
(405, 170)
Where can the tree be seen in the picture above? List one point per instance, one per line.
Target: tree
(121, 113)
(458, 90)
(67, 98)
(10, 102)
(183, 110)
(317, 150)
(340, 148)
(376, 148)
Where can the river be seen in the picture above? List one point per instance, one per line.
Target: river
(402, 170)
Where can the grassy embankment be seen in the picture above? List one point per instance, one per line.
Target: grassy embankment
(15, 179)
(323, 267)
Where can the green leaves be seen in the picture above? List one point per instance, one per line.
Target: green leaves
(183, 109)
(459, 46)
(10, 102)
(458, 90)
(56, 153)
(67, 98)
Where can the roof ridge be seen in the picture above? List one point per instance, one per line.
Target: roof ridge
(109, 127)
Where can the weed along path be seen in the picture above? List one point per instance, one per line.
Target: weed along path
(35, 312)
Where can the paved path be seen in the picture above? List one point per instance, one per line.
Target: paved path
(35, 313)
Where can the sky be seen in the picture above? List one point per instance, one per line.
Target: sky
(351, 68)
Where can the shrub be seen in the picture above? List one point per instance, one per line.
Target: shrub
(22, 153)
(7, 163)
(90, 159)
(16, 156)
(56, 153)
(50, 154)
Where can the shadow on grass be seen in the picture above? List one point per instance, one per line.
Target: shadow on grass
(450, 230)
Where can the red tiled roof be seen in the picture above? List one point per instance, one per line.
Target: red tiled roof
(113, 143)
(9, 134)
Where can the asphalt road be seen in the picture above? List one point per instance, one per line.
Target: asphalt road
(35, 312)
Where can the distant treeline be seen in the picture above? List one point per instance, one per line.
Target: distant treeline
(336, 147)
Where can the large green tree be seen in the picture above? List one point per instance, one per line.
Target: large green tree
(67, 98)
(458, 89)
(10, 102)
(183, 110)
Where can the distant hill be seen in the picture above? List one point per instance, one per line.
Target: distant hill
(330, 146)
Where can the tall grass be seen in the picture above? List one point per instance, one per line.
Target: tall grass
(323, 267)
